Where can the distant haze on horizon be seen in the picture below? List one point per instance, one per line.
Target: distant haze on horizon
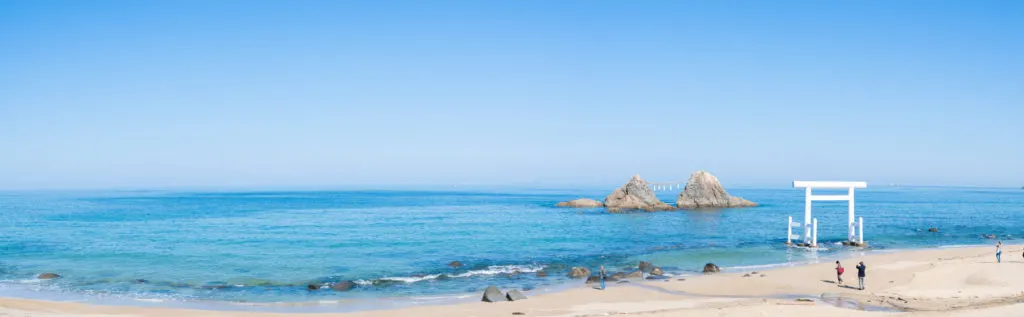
(165, 94)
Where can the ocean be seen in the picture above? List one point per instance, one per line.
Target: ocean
(175, 247)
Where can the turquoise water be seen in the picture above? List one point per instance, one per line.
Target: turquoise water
(267, 246)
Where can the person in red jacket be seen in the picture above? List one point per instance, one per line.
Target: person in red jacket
(839, 272)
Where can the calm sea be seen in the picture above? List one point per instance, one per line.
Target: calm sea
(267, 246)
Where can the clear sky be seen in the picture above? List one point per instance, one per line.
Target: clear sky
(99, 94)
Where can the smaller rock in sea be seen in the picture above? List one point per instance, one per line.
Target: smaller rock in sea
(657, 271)
(542, 274)
(48, 276)
(515, 295)
(493, 294)
(343, 286)
(455, 264)
(313, 287)
(581, 203)
(579, 272)
(933, 229)
(711, 268)
(141, 281)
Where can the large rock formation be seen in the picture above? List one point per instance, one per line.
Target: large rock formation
(704, 191)
(579, 272)
(635, 195)
(581, 203)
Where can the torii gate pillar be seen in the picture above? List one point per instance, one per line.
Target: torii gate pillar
(809, 225)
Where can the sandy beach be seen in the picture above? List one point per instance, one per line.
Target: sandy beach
(934, 282)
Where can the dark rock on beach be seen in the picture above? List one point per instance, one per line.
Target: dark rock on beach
(515, 295)
(645, 267)
(579, 272)
(581, 203)
(711, 268)
(493, 294)
(635, 195)
(343, 286)
(48, 276)
(704, 191)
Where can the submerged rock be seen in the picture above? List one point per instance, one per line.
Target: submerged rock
(579, 272)
(635, 195)
(515, 295)
(711, 268)
(343, 286)
(455, 264)
(581, 203)
(542, 274)
(48, 276)
(933, 229)
(313, 287)
(493, 294)
(704, 191)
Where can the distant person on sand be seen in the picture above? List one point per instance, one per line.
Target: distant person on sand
(839, 272)
(861, 268)
(998, 252)
(602, 276)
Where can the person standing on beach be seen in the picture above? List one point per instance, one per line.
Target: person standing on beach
(839, 272)
(602, 276)
(999, 252)
(861, 268)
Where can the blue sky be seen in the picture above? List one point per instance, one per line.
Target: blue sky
(99, 94)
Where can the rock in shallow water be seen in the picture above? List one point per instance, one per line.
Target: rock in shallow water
(493, 294)
(657, 271)
(48, 276)
(711, 268)
(645, 267)
(455, 264)
(581, 203)
(579, 272)
(343, 286)
(704, 191)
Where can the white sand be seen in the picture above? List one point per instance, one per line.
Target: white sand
(940, 282)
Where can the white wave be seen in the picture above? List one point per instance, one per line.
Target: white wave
(490, 270)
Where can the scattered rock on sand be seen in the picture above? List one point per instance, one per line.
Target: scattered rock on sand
(48, 276)
(746, 275)
(657, 271)
(455, 264)
(579, 272)
(515, 295)
(619, 275)
(493, 294)
(518, 313)
(933, 229)
(635, 195)
(704, 191)
(581, 203)
(343, 286)
(711, 268)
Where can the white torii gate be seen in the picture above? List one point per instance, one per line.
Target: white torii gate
(810, 225)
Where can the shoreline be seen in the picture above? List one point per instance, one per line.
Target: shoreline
(731, 290)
